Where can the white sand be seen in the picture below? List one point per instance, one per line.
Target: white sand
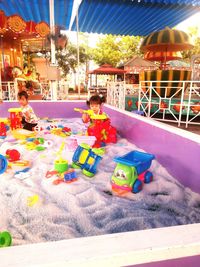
(85, 207)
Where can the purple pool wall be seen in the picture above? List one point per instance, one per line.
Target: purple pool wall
(177, 150)
(48, 109)
(192, 261)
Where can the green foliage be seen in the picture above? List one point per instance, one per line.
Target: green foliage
(67, 58)
(193, 32)
(115, 50)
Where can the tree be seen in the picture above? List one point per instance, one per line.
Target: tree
(115, 50)
(67, 58)
(193, 33)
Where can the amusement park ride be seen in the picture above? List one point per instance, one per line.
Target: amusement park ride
(19, 39)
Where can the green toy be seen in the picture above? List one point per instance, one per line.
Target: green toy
(60, 164)
(5, 239)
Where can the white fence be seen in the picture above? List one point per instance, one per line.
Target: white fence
(47, 91)
(172, 101)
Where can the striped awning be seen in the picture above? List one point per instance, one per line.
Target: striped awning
(133, 17)
(162, 55)
(167, 40)
(38, 10)
(125, 17)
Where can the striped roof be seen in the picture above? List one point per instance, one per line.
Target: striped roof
(167, 40)
(125, 17)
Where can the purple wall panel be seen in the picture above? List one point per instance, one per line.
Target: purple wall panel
(193, 261)
(47, 109)
(178, 154)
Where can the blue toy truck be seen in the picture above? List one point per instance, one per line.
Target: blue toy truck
(87, 159)
(131, 171)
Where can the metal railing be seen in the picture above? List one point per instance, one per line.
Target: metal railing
(52, 90)
(172, 101)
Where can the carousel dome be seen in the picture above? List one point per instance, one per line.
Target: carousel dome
(166, 40)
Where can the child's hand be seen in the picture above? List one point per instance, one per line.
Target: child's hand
(27, 115)
(1, 101)
(85, 118)
(81, 110)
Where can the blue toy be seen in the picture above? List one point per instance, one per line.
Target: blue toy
(87, 159)
(70, 175)
(3, 164)
(131, 171)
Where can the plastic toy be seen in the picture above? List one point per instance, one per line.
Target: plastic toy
(36, 144)
(3, 164)
(23, 174)
(69, 176)
(75, 140)
(87, 159)
(49, 174)
(61, 131)
(92, 115)
(31, 201)
(101, 128)
(60, 164)
(3, 128)
(5, 239)
(23, 134)
(103, 131)
(131, 171)
(20, 163)
(15, 118)
(13, 154)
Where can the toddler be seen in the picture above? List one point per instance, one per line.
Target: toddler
(100, 126)
(29, 119)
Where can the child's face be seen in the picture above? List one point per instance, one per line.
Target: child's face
(23, 101)
(95, 107)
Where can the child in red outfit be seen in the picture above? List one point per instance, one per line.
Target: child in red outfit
(100, 126)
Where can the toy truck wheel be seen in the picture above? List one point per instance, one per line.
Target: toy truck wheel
(148, 177)
(137, 187)
(87, 173)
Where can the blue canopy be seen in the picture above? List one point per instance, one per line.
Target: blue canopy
(128, 17)
(136, 17)
(38, 10)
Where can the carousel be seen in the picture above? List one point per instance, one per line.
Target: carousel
(163, 46)
(19, 40)
(167, 93)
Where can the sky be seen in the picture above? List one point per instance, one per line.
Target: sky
(190, 22)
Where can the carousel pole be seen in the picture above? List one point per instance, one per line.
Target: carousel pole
(78, 52)
(52, 29)
(53, 47)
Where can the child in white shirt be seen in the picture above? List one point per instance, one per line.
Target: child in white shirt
(29, 119)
